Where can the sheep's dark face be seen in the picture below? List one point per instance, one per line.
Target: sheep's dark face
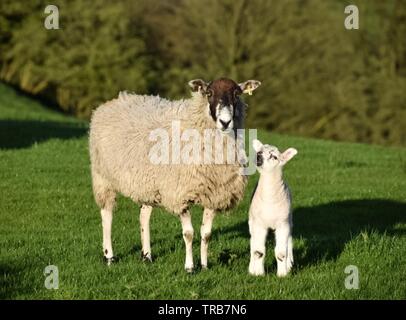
(223, 97)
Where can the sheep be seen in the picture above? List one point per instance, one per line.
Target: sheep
(271, 209)
(120, 145)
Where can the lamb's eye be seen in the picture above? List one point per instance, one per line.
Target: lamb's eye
(236, 93)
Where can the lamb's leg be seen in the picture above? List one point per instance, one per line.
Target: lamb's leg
(282, 234)
(290, 252)
(258, 240)
(145, 215)
(205, 232)
(187, 230)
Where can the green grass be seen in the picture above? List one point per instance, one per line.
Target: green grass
(349, 209)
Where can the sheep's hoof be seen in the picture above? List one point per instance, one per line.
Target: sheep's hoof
(189, 270)
(110, 261)
(204, 267)
(146, 257)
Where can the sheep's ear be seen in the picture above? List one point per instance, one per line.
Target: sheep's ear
(257, 145)
(288, 154)
(198, 85)
(249, 86)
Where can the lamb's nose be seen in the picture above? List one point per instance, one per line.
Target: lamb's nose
(225, 124)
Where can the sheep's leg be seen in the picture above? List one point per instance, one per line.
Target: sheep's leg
(187, 230)
(205, 232)
(107, 220)
(105, 199)
(282, 235)
(257, 242)
(145, 215)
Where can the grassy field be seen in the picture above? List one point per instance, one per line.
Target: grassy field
(349, 209)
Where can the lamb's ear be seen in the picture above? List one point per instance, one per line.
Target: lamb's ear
(198, 85)
(249, 86)
(257, 145)
(288, 154)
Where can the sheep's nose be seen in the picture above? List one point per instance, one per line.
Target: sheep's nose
(225, 124)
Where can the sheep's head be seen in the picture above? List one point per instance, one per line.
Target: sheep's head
(223, 99)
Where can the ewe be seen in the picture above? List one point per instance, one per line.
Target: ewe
(271, 209)
(120, 145)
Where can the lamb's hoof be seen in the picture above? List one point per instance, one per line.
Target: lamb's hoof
(256, 270)
(146, 257)
(110, 261)
(189, 270)
(280, 257)
(204, 267)
(284, 270)
(282, 274)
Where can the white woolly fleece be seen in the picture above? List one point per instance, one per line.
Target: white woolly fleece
(119, 148)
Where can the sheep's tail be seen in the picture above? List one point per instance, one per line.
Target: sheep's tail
(123, 95)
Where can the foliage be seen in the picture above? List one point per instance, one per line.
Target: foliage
(97, 51)
(319, 79)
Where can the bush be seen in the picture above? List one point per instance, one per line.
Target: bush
(98, 51)
(319, 79)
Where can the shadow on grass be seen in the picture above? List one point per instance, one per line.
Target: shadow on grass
(11, 283)
(327, 228)
(17, 134)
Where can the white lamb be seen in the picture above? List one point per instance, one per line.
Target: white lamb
(271, 209)
(120, 147)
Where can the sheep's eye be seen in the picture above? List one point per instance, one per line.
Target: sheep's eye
(209, 93)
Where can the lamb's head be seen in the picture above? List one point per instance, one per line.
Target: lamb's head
(269, 157)
(224, 104)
